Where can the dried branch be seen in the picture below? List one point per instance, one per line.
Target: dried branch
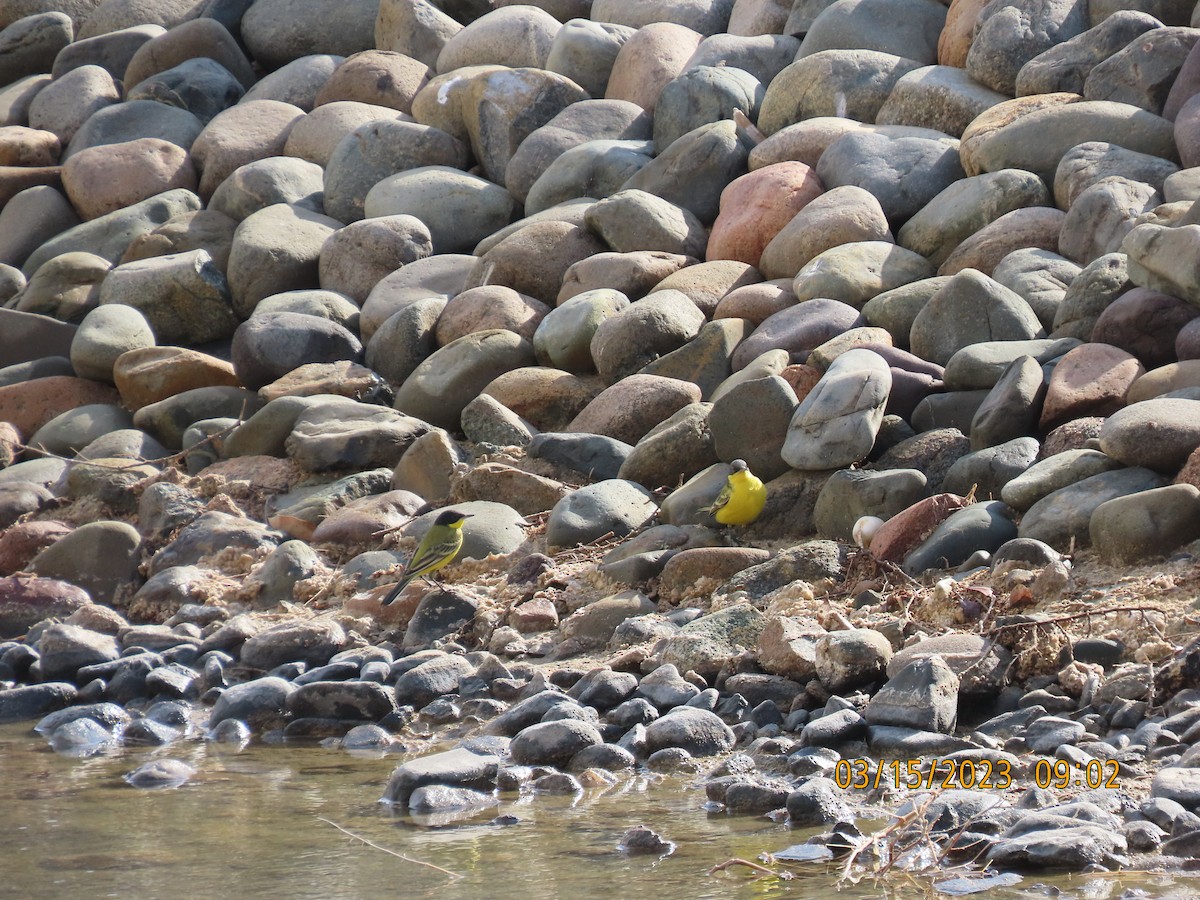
(737, 861)
(372, 844)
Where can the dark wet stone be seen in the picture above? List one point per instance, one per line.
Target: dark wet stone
(150, 733)
(430, 680)
(923, 695)
(699, 732)
(981, 526)
(645, 840)
(363, 700)
(817, 802)
(458, 767)
(260, 703)
(553, 743)
(440, 613)
(161, 773)
(82, 738)
(65, 649)
(834, 729)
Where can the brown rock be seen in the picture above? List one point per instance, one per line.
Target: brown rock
(995, 118)
(549, 398)
(1172, 377)
(10, 444)
(653, 56)
(204, 229)
(631, 407)
(21, 146)
(1032, 226)
(802, 378)
(343, 377)
(843, 215)
(489, 306)
(536, 259)
(101, 180)
(378, 77)
(26, 336)
(99, 618)
(688, 567)
(26, 600)
(188, 40)
(1190, 473)
(955, 40)
(707, 283)
(366, 520)
(1073, 435)
(633, 274)
(31, 404)
(804, 141)
(150, 374)
(756, 302)
(756, 206)
(1090, 380)
(21, 542)
(14, 179)
(525, 492)
(534, 615)
(788, 646)
(905, 531)
(241, 134)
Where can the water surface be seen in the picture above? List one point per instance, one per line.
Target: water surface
(250, 825)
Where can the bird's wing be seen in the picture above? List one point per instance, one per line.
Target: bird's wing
(428, 556)
(723, 498)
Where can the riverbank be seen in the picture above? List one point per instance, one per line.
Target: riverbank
(281, 284)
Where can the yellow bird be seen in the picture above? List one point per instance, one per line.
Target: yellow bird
(437, 549)
(742, 498)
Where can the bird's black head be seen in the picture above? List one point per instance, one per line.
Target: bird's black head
(452, 518)
(739, 465)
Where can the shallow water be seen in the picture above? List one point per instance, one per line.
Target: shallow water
(250, 824)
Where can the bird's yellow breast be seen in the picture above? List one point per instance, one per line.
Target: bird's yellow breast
(746, 501)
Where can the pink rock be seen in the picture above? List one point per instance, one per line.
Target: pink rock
(635, 404)
(1072, 435)
(29, 405)
(1090, 380)
(1146, 323)
(906, 530)
(955, 41)
(101, 180)
(534, 615)
(241, 134)
(802, 379)
(756, 206)
(21, 146)
(26, 600)
(1186, 85)
(10, 444)
(23, 541)
(14, 179)
(489, 306)
(1031, 226)
(149, 374)
(648, 60)
(1187, 132)
(756, 302)
(378, 77)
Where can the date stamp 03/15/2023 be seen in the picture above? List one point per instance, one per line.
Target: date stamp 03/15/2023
(972, 774)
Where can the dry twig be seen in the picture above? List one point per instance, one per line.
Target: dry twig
(372, 844)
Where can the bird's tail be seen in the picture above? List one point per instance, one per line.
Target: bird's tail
(395, 592)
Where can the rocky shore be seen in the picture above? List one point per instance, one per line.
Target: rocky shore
(280, 279)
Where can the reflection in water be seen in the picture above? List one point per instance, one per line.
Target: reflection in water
(250, 823)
